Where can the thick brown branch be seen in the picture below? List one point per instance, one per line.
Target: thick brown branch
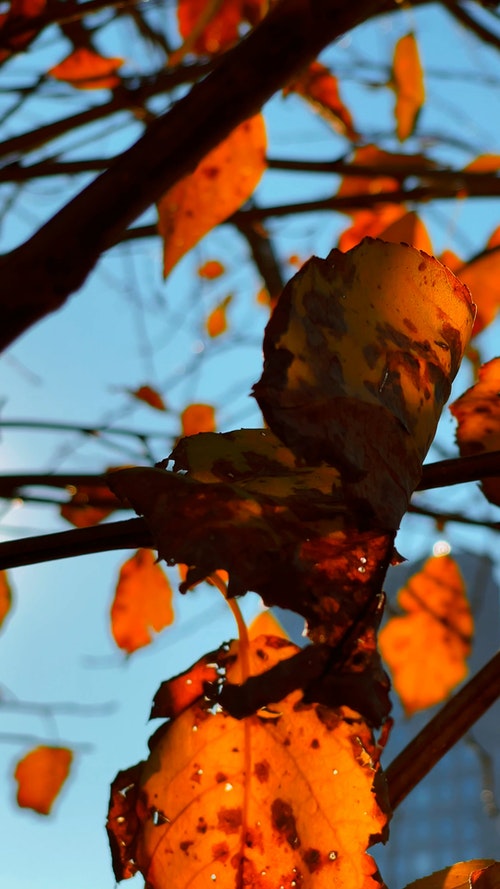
(459, 470)
(443, 731)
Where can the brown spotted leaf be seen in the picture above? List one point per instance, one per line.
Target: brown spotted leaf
(408, 84)
(359, 356)
(142, 602)
(231, 801)
(426, 648)
(477, 412)
(40, 775)
(220, 184)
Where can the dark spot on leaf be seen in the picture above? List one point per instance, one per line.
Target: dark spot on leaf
(220, 777)
(261, 770)
(202, 825)
(410, 325)
(211, 172)
(229, 820)
(315, 743)
(261, 654)
(283, 821)
(312, 860)
(220, 852)
(184, 846)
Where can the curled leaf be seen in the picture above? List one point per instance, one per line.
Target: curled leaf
(40, 776)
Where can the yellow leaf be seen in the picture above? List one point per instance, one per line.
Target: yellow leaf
(427, 647)
(5, 596)
(149, 396)
(40, 775)
(254, 802)
(87, 70)
(221, 183)
(211, 269)
(142, 602)
(455, 877)
(482, 276)
(198, 418)
(477, 412)
(408, 83)
(217, 320)
(319, 86)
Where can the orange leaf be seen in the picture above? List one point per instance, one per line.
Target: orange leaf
(217, 320)
(494, 239)
(20, 9)
(87, 70)
(221, 183)
(319, 86)
(211, 269)
(149, 396)
(230, 801)
(458, 876)
(451, 260)
(477, 412)
(482, 276)
(370, 224)
(198, 418)
(89, 505)
(427, 647)
(216, 26)
(5, 596)
(40, 775)
(408, 229)
(142, 602)
(485, 163)
(266, 624)
(408, 83)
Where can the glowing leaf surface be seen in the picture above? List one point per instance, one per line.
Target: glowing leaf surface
(408, 82)
(142, 602)
(40, 776)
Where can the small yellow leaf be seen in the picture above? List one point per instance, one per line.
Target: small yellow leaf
(211, 269)
(5, 596)
(87, 70)
(198, 418)
(427, 647)
(142, 602)
(40, 775)
(408, 83)
(221, 183)
(149, 396)
(217, 320)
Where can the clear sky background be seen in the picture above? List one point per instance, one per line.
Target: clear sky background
(127, 327)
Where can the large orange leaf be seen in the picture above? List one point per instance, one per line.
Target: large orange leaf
(5, 596)
(215, 26)
(87, 70)
(482, 276)
(142, 602)
(458, 876)
(282, 798)
(197, 418)
(359, 356)
(408, 84)
(221, 183)
(320, 87)
(426, 649)
(477, 412)
(40, 775)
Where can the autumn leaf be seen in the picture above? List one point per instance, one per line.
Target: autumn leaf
(266, 624)
(87, 70)
(221, 797)
(5, 596)
(221, 183)
(484, 163)
(198, 418)
(40, 776)
(149, 396)
(211, 269)
(360, 353)
(487, 877)
(89, 505)
(477, 412)
(408, 229)
(408, 84)
(426, 648)
(142, 602)
(458, 876)
(217, 321)
(215, 26)
(320, 87)
(19, 10)
(482, 276)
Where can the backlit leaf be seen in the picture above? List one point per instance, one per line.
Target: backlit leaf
(408, 229)
(5, 596)
(266, 624)
(319, 86)
(408, 84)
(217, 320)
(87, 70)
(149, 396)
(89, 505)
(142, 602)
(198, 418)
(455, 877)
(19, 10)
(216, 25)
(486, 877)
(482, 276)
(426, 649)
(370, 224)
(221, 183)
(477, 412)
(485, 163)
(233, 802)
(211, 269)
(40, 776)
(359, 356)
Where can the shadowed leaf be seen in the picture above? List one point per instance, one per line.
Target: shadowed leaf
(142, 602)
(40, 776)
(89, 505)
(408, 84)
(216, 25)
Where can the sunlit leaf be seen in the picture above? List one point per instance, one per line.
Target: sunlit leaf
(487, 877)
(408, 84)
(370, 224)
(477, 412)
(320, 87)
(485, 163)
(408, 229)
(198, 418)
(266, 624)
(216, 26)
(40, 776)
(221, 183)
(451, 259)
(457, 876)
(232, 801)
(217, 320)
(5, 596)
(482, 276)
(494, 239)
(87, 70)
(149, 396)
(359, 356)
(426, 649)
(89, 505)
(142, 602)
(211, 269)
